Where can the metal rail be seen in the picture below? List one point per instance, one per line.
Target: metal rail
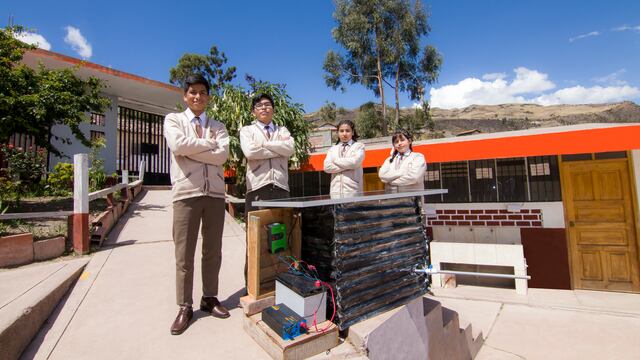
(432, 271)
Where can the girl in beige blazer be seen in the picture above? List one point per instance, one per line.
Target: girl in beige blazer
(404, 169)
(344, 161)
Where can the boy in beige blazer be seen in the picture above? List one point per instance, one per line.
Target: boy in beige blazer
(267, 147)
(199, 146)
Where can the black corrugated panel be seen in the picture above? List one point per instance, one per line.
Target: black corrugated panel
(367, 251)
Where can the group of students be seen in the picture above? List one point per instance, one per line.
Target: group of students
(403, 170)
(199, 148)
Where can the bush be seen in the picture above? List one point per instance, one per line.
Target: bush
(60, 180)
(97, 177)
(24, 166)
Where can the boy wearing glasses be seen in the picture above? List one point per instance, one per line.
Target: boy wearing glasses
(267, 147)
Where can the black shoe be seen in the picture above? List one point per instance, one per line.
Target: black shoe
(213, 307)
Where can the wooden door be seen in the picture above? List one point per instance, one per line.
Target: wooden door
(600, 224)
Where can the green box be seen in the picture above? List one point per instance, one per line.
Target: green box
(276, 237)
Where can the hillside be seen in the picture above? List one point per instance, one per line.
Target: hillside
(494, 118)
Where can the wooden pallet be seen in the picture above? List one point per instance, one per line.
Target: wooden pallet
(301, 347)
(262, 266)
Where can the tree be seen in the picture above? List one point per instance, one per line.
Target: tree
(361, 28)
(369, 121)
(233, 108)
(210, 66)
(328, 113)
(33, 101)
(420, 118)
(381, 39)
(412, 68)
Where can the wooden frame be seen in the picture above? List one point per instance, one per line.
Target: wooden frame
(262, 266)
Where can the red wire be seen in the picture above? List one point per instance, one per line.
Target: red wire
(333, 301)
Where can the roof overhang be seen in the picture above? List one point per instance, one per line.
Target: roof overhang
(145, 94)
(573, 139)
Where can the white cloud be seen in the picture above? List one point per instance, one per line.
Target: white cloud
(77, 42)
(612, 79)
(528, 86)
(494, 76)
(498, 91)
(591, 95)
(627, 28)
(529, 81)
(33, 39)
(582, 36)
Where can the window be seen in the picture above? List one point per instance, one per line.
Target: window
(512, 179)
(296, 183)
(482, 181)
(311, 183)
(576, 157)
(544, 178)
(455, 178)
(96, 135)
(432, 181)
(610, 155)
(97, 119)
(325, 183)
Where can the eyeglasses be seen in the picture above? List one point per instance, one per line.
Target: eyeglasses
(261, 105)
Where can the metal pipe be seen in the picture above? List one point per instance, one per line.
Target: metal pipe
(431, 271)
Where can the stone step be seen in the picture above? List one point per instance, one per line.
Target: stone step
(28, 295)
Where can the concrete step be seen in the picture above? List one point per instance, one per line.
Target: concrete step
(474, 343)
(27, 297)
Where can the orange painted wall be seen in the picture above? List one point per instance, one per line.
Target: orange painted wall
(570, 142)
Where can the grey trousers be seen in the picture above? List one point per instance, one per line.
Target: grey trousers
(187, 216)
(268, 192)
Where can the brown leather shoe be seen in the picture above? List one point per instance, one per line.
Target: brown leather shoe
(181, 323)
(213, 307)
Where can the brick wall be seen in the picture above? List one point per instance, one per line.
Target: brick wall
(487, 217)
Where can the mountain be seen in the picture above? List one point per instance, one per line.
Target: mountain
(505, 117)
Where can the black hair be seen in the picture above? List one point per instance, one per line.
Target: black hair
(193, 80)
(396, 136)
(353, 129)
(256, 99)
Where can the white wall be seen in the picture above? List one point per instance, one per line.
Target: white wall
(75, 146)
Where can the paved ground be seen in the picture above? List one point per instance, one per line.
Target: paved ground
(549, 324)
(124, 303)
(125, 300)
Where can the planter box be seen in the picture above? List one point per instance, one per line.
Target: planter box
(16, 249)
(48, 248)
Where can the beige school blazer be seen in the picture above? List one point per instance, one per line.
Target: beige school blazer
(196, 163)
(267, 159)
(406, 174)
(345, 170)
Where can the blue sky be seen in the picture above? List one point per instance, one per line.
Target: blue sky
(546, 52)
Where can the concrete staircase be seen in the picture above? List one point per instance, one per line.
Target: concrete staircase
(28, 295)
(422, 329)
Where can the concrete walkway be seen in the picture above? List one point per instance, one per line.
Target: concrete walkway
(124, 303)
(548, 324)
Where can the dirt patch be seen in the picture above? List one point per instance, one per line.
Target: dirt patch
(45, 228)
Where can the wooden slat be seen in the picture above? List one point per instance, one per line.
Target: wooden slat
(301, 347)
(262, 265)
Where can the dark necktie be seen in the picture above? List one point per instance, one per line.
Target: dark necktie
(198, 127)
(267, 129)
(343, 151)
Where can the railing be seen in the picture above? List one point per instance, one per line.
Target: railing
(81, 199)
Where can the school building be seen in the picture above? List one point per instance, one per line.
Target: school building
(131, 126)
(559, 203)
